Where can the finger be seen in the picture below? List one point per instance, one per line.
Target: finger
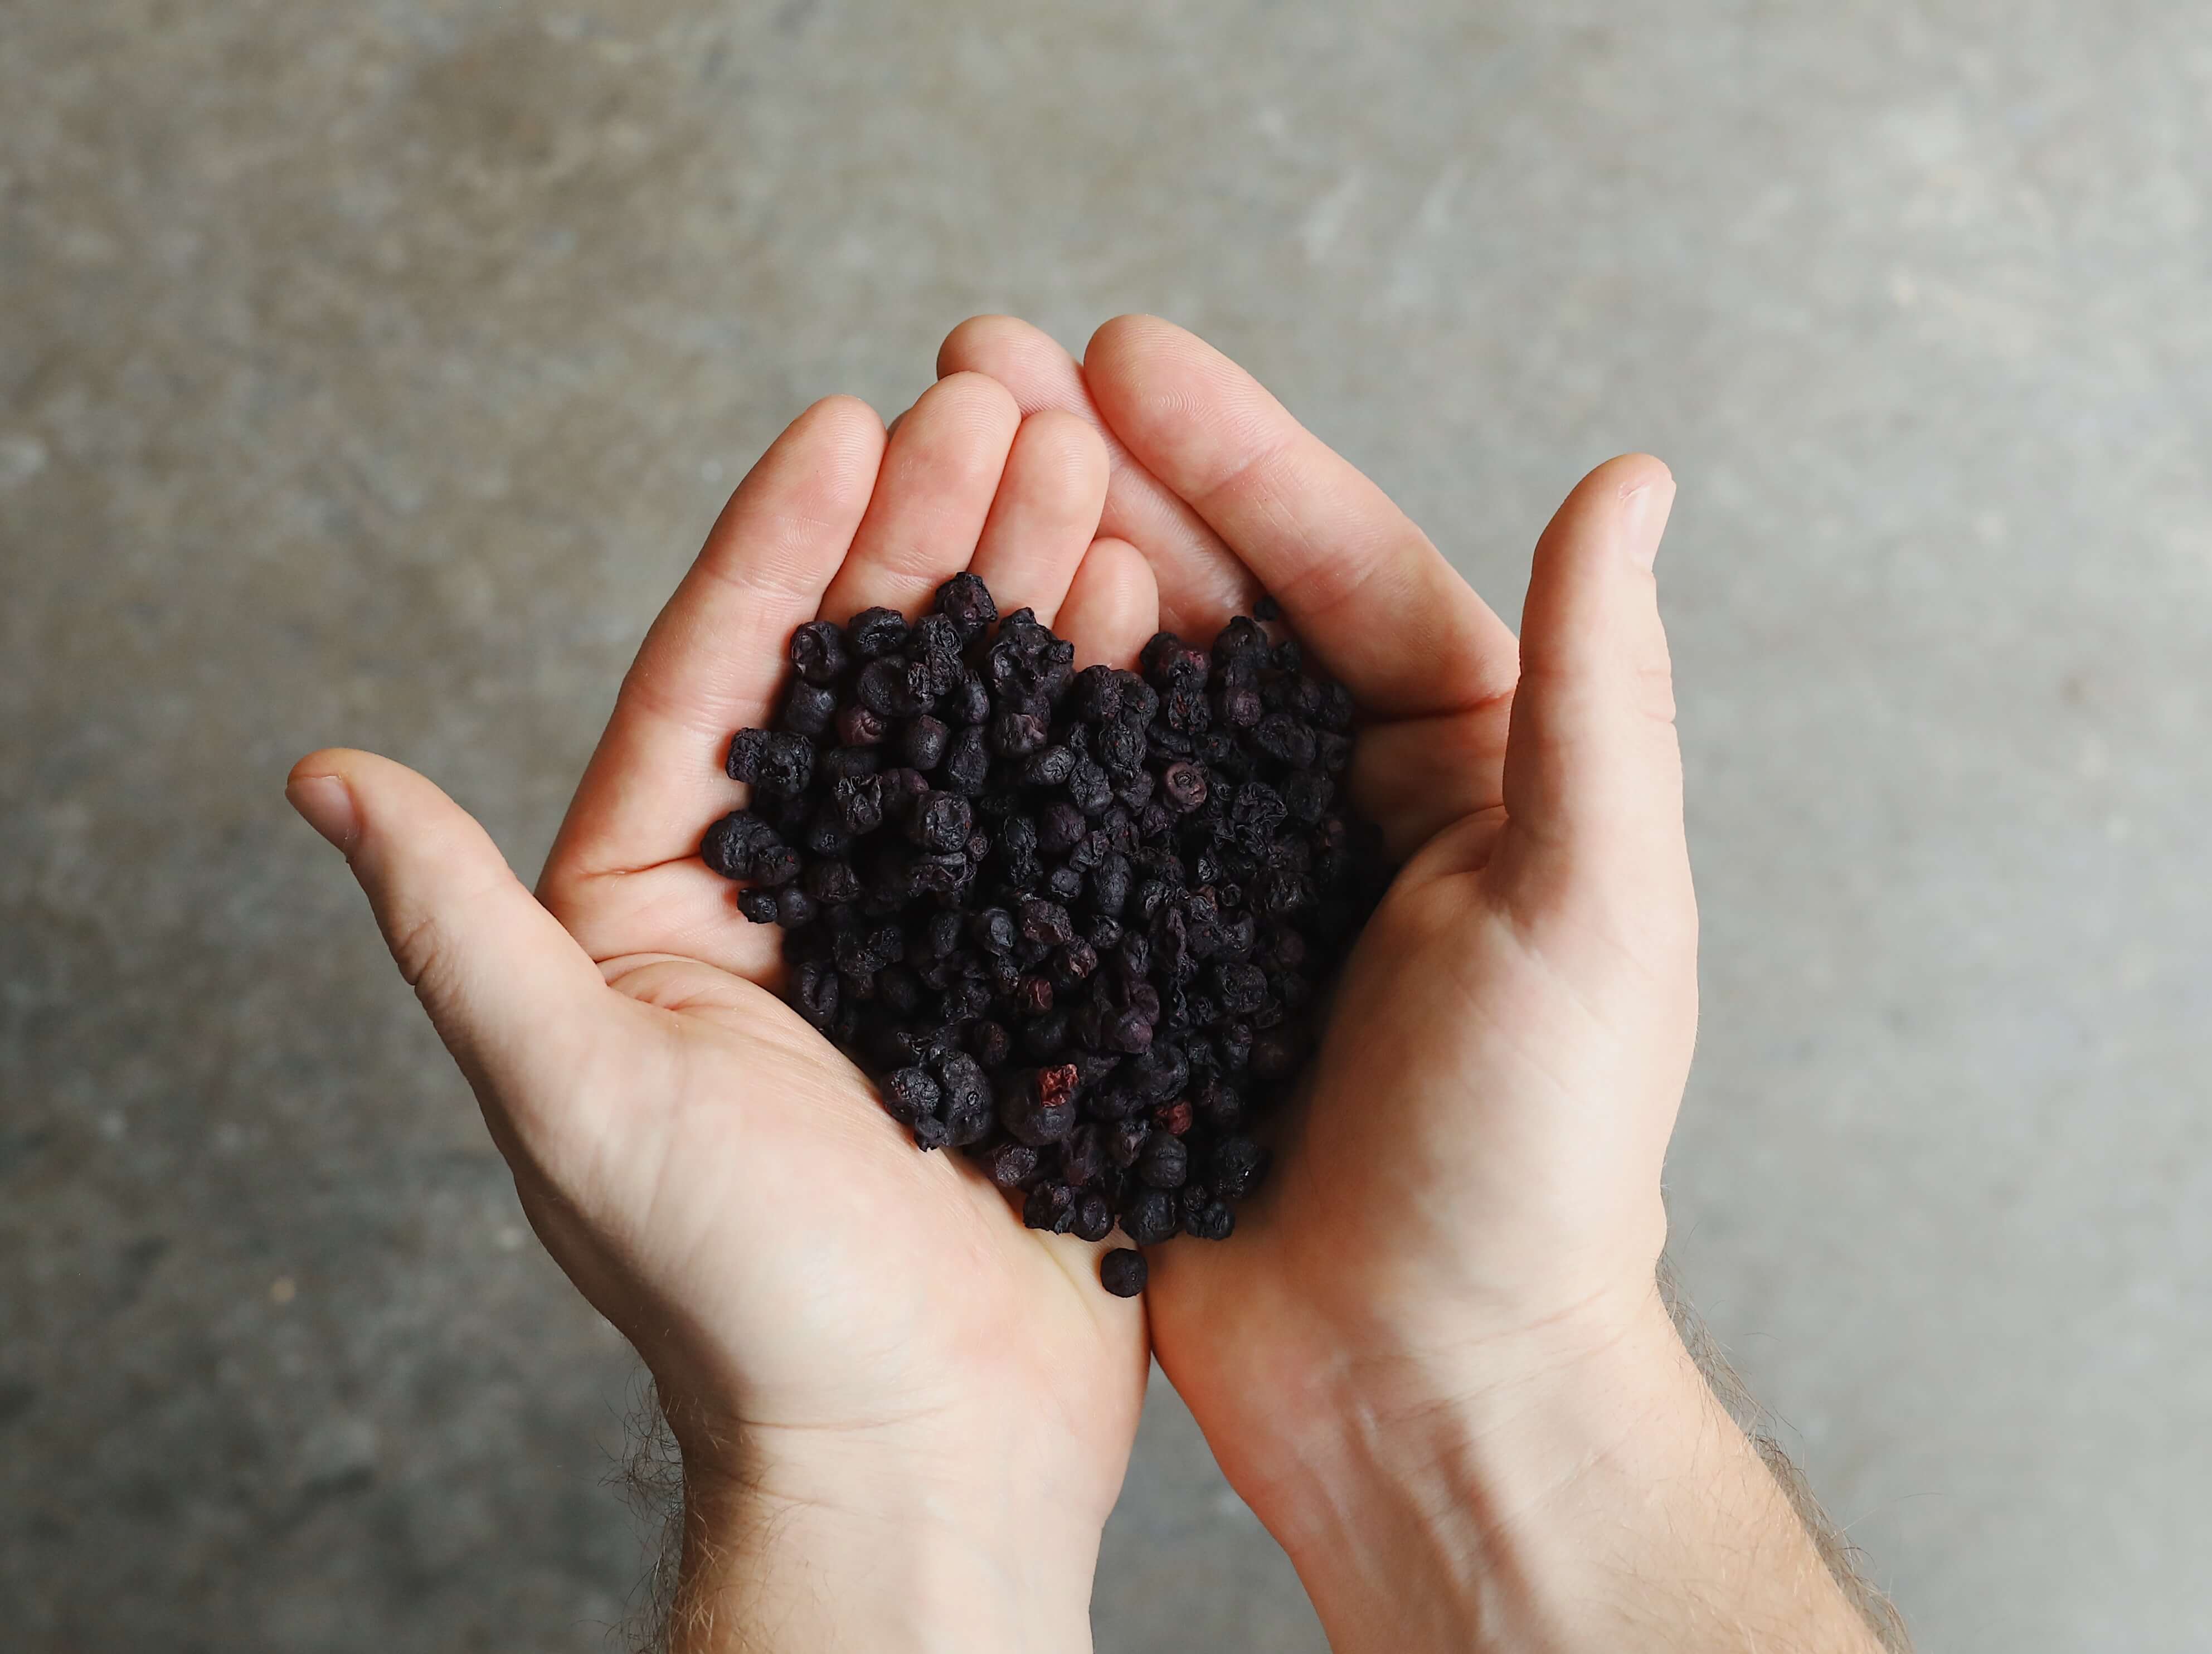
(1592, 767)
(1201, 582)
(1360, 584)
(1045, 515)
(939, 475)
(713, 660)
(509, 991)
(1113, 607)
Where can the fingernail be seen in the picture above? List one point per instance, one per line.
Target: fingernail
(327, 803)
(1644, 511)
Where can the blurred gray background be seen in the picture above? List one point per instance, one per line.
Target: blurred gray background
(369, 371)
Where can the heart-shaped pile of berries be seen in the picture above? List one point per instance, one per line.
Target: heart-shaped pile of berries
(1073, 922)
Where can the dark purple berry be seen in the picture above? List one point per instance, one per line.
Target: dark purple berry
(1213, 1221)
(1094, 1218)
(1008, 1163)
(857, 726)
(1017, 735)
(1122, 1272)
(908, 1094)
(817, 653)
(876, 632)
(923, 742)
(966, 602)
(967, 763)
(1152, 1216)
(735, 844)
(1165, 1163)
(1050, 1207)
(940, 823)
(809, 709)
(1236, 1167)
(969, 702)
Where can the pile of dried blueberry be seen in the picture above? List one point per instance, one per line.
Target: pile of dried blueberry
(1073, 922)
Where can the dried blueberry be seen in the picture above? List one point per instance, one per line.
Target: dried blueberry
(1122, 1272)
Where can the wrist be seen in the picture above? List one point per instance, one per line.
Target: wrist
(858, 1545)
(1576, 1488)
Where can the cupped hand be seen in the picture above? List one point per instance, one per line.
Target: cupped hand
(1470, 1183)
(843, 1329)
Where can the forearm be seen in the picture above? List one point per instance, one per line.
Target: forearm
(1601, 1499)
(861, 1558)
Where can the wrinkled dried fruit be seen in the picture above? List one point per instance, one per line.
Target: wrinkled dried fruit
(1073, 923)
(1122, 1271)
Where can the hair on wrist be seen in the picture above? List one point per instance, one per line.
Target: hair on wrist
(1843, 1559)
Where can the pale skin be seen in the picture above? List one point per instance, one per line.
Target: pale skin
(1431, 1359)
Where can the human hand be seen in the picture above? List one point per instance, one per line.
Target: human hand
(1439, 1317)
(903, 1416)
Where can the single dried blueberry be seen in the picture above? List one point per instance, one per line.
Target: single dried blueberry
(966, 764)
(1045, 923)
(1017, 735)
(817, 652)
(858, 727)
(966, 602)
(1152, 1216)
(833, 882)
(1050, 1207)
(1236, 1166)
(1048, 766)
(734, 844)
(1097, 695)
(814, 991)
(1008, 1163)
(874, 633)
(757, 905)
(807, 710)
(1122, 1272)
(780, 763)
(908, 1094)
(1285, 741)
(990, 1043)
(969, 702)
(1094, 1218)
(940, 823)
(1165, 1163)
(967, 1096)
(1213, 1221)
(1121, 747)
(923, 742)
(1169, 663)
(892, 688)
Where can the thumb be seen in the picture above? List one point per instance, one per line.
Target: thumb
(1592, 767)
(508, 990)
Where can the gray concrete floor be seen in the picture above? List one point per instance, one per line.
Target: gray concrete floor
(369, 371)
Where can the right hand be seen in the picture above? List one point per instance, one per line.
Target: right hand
(1433, 1357)
(1476, 1157)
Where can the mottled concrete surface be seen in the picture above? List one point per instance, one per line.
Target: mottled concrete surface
(369, 370)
